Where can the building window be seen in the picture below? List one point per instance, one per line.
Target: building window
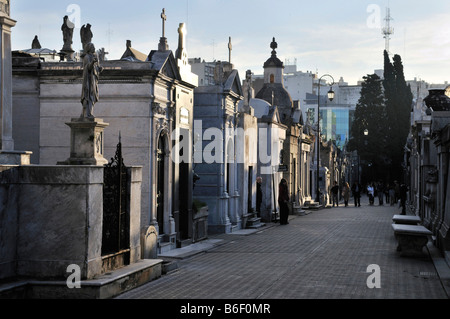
(272, 78)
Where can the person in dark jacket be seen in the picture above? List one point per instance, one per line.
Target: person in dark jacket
(335, 194)
(356, 190)
(380, 193)
(283, 199)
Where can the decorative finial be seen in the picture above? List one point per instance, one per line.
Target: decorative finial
(274, 46)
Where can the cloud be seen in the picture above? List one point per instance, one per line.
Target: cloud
(424, 46)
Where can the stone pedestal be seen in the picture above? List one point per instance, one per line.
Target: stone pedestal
(67, 55)
(86, 142)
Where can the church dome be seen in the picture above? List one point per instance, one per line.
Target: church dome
(273, 61)
(275, 93)
(273, 90)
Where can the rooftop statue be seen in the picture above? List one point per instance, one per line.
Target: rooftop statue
(86, 35)
(91, 72)
(67, 30)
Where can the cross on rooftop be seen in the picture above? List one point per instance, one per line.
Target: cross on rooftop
(164, 18)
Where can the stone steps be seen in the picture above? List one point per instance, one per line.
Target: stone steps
(164, 247)
(254, 223)
(312, 206)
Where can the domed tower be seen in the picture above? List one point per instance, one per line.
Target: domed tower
(275, 94)
(273, 90)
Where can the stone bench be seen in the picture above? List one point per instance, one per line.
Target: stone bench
(411, 239)
(406, 220)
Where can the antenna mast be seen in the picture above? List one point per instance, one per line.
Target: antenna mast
(387, 31)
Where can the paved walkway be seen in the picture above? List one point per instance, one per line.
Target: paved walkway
(323, 255)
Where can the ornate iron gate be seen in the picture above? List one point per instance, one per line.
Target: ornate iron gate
(116, 216)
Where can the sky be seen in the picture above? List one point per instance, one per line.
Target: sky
(342, 38)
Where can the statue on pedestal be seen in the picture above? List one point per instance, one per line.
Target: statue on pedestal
(67, 52)
(91, 71)
(67, 30)
(87, 131)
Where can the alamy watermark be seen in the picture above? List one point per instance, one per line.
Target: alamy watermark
(74, 279)
(74, 13)
(219, 146)
(374, 280)
(374, 18)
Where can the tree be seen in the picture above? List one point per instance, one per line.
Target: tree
(370, 115)
(389, 94)
(398, 111)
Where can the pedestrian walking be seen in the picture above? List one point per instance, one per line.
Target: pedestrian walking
(380, 192)
(335, 194)
(346, 193)
(371, 194)
(356, 190)
(258, 196)
(391, 194)
(386, 193)
(283, 199)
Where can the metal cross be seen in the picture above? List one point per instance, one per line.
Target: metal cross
(164, 18)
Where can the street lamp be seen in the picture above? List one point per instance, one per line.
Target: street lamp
(331, 96)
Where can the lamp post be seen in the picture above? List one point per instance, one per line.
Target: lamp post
(331, 96)
(366, 134)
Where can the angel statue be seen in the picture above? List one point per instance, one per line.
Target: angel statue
(91, 72)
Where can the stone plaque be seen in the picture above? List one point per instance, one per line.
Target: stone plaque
(149, 243)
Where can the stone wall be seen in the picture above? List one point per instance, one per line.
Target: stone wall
(52, 216)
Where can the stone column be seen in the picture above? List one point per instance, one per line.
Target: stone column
(7, 153)
(6, 24)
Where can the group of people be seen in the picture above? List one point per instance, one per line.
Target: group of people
(389, 193)
(346, 193)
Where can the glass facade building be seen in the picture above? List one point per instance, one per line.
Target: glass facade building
(335, 123)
